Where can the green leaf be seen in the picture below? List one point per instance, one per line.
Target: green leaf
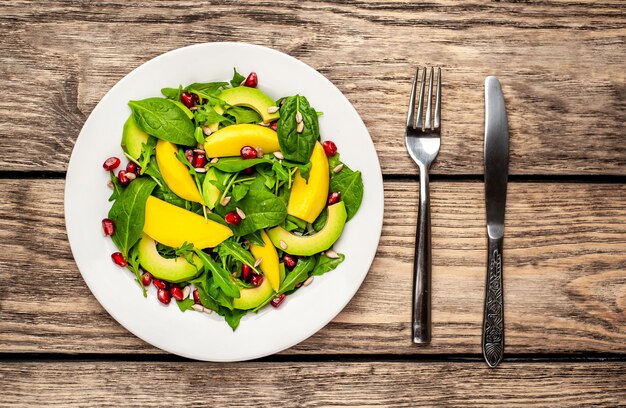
(117, 187)
(239, 192)
(172, 93)
(299, 274)
(237, 164)
(206, 87)
(304, 169)
(147, 152)
(232, 248)
(255, 238)
(128, 213)
(185, 304)
(243, 115)
(262, 208)
(281, 172)
(199, 135)
(220, 276)
(350, 184)
(234, 317)
(325, 264)
(133, 265)
(237, 79)
(320, 221)
(205, 114)
(163, 119)
(295, 146)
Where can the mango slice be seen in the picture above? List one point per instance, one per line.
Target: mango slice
(175, 173)
(308, 199)
(228, 141)
(269, 265)
(173, 226)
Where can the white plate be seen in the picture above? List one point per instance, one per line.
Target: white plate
(197, 335)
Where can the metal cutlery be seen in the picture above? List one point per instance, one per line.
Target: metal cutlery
(496, 178)
(423, 141)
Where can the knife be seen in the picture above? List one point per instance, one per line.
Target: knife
(496, 177)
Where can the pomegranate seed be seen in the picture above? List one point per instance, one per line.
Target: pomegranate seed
(108, 227)
(122, 178)
(199, 160)
(177, 293)
(245, 272)
(277, 301)
(159, 284)
(131, 167)
(187, 99)
(111, 163)
(290, 261)
(330, 148)
(256, 280)
(248, 152)
(196, 297)
(164, 296)
(334, 198)
(118, 258)
(232, 218)
(249, 171)
(252, 81)
(146, 278)
(274, 125)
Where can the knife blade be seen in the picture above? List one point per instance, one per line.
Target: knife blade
(496, 162)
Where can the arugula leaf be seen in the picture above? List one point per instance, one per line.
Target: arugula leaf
(128, 213)
(232, 248)
(164, 119)
(172, 93)
(325, 264)
(206, 300)
(206, 114)
(295, 146)
(117, 187)
(147, 151)
(281, 172)
(255, 238)
(133, 265)
(198, 134)
(185, 304)
(350, 184)
(243, 114)
(304, 169)
(300, 224)
(299, 274)
(262, 208)
(207, 87)
(239, 191)
(220, 276)
(237, 164)
(237, 79)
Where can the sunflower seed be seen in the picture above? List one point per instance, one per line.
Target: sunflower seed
(308, 281)
(259, 152)
(283, 245)
(258, 262)
(279, 155)
(225, 201)
(186, 291)
(298, 117)
(332, 254)
(198, 308)
(131, 176)
(110, 184)
(298, 233)
(207, 311)
(309, 227)
(300, 127)
(200, 170)
(240, 212)
(263, 124)
(338, 168)
(193, 108)
(272, 109)
(200, 146)
(206, 130)
(215, 160)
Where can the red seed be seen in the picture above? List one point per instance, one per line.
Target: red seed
(196, 297)
(131, 167)
(187, 99)
(108, 227)
(277, 301)
(330, 148)
(164, 296)
(159, 284)
(199, 160)
(177, 293)
(118, 258)
(111, 163)
(249, 171)
(274, 125)
(248, 152)
(146, 278)
(122, 178)
(252, 81)
(189, 155)
(245, 272)
(256, 280)
(232, 218)
(334, 198)
(290, 261)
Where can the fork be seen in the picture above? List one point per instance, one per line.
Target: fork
(423, 139)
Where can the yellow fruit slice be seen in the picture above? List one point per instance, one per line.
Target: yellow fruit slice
(175, 173)
(308, 199)
(269, 265)
(228, 141)
(173, 226)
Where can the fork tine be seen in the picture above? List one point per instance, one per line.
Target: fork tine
(420, 102)
(410, 119)
(438, 101)
(429, 101)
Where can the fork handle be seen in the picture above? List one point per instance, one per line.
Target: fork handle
(422, 266)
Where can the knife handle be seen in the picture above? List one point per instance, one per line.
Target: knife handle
(422, 267)
(493, 320)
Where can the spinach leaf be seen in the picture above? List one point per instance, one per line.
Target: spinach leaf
(237, 164)
(206, 87)
(262, 208)
(325, 264)
(220, 276)
(237, 79)
(206, 300)
(255, 238)
(320, 221)
(198, 134)
(242, 114)
(117, 187)
(234, 317)
(162, 191)
(299, 274)
(304, 169)
(295, 146)
(128, 213)
(185, 304)
(300, 224)
(162, 118)
(172, 93)
(239, 192)
(350, 184)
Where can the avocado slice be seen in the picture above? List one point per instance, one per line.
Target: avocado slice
(311, 244)
(211, 194)
(254, 297)
(169, 269)
(251, 98)
(133, 138)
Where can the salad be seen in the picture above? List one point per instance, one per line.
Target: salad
(229, 200)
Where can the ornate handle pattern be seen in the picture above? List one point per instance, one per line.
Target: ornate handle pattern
(493, 323)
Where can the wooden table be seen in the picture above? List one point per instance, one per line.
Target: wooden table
(562, 66)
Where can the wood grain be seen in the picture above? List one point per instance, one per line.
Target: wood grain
(337, 384)
(560, 63)
(564, 263)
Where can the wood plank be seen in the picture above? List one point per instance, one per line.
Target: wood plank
(312, 384)
(560, 63)
(565, 285)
